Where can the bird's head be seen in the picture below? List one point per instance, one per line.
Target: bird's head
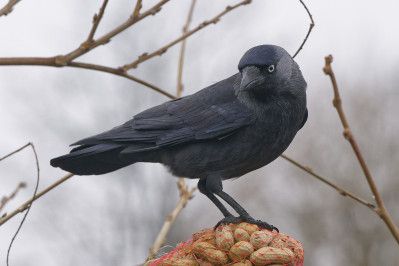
(268, 70)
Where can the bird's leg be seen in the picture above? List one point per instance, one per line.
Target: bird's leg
(244, 215)
(213, 185)
(204, 190)
(234, 204)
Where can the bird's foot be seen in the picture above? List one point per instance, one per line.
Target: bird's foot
(235, 220)
(229, 220)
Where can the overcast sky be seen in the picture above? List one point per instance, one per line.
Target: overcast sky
(53, 107)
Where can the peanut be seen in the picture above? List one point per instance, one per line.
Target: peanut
(240, 251)
(270, 255)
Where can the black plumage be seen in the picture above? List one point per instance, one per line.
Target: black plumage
(223, 131)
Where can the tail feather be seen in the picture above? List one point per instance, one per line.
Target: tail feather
(91, 159)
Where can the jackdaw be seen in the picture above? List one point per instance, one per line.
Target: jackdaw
(221, 132)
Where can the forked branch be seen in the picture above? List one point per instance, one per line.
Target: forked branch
(309, 30)
(96, 21)
(340, 190)
(86, 47)
(381, 209)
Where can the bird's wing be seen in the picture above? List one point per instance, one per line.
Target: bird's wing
(187, 120)
(199, 122)
(176, 122)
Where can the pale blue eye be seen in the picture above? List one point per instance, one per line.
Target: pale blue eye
(270, 68)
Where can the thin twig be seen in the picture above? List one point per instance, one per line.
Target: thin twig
(381, 209)
(29, 202)
(6, 199)
(185, 196)
(163, 49)
(182, 50)
(340, 190)
(96, 21)
(309, 31)
(14, 152)
(8, 7)
(137, 9)
(30, 205)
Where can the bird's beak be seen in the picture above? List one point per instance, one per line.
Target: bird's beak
(250, 77)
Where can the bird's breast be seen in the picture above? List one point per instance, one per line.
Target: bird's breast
(244, 151)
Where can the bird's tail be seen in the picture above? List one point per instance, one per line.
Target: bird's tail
(94, 159)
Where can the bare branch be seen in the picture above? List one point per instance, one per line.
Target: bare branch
(66, 60)
(14, 152)
(182, 48)
(185, 196)
(53, 61)
(30, 61)
(381, 209)
(6, 199)
(8, 7)
(163, 49)
(30, 205)
(26, 205)
(340, 190)
(89, 44)
(96, 22)
(309, 31)
(84, 48)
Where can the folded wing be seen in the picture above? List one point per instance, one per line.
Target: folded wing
(176, 122)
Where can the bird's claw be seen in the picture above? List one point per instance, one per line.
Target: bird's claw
(263, 224)
(229, 220)
(248, 219)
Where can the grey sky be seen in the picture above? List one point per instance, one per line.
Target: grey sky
(114, 218)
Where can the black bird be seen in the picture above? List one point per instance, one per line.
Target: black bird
(224, 131)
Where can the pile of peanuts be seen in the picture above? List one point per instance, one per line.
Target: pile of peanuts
(243, 244)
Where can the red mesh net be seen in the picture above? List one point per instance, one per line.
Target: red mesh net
(241, 244)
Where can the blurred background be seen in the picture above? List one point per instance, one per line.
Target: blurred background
(113, 219)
